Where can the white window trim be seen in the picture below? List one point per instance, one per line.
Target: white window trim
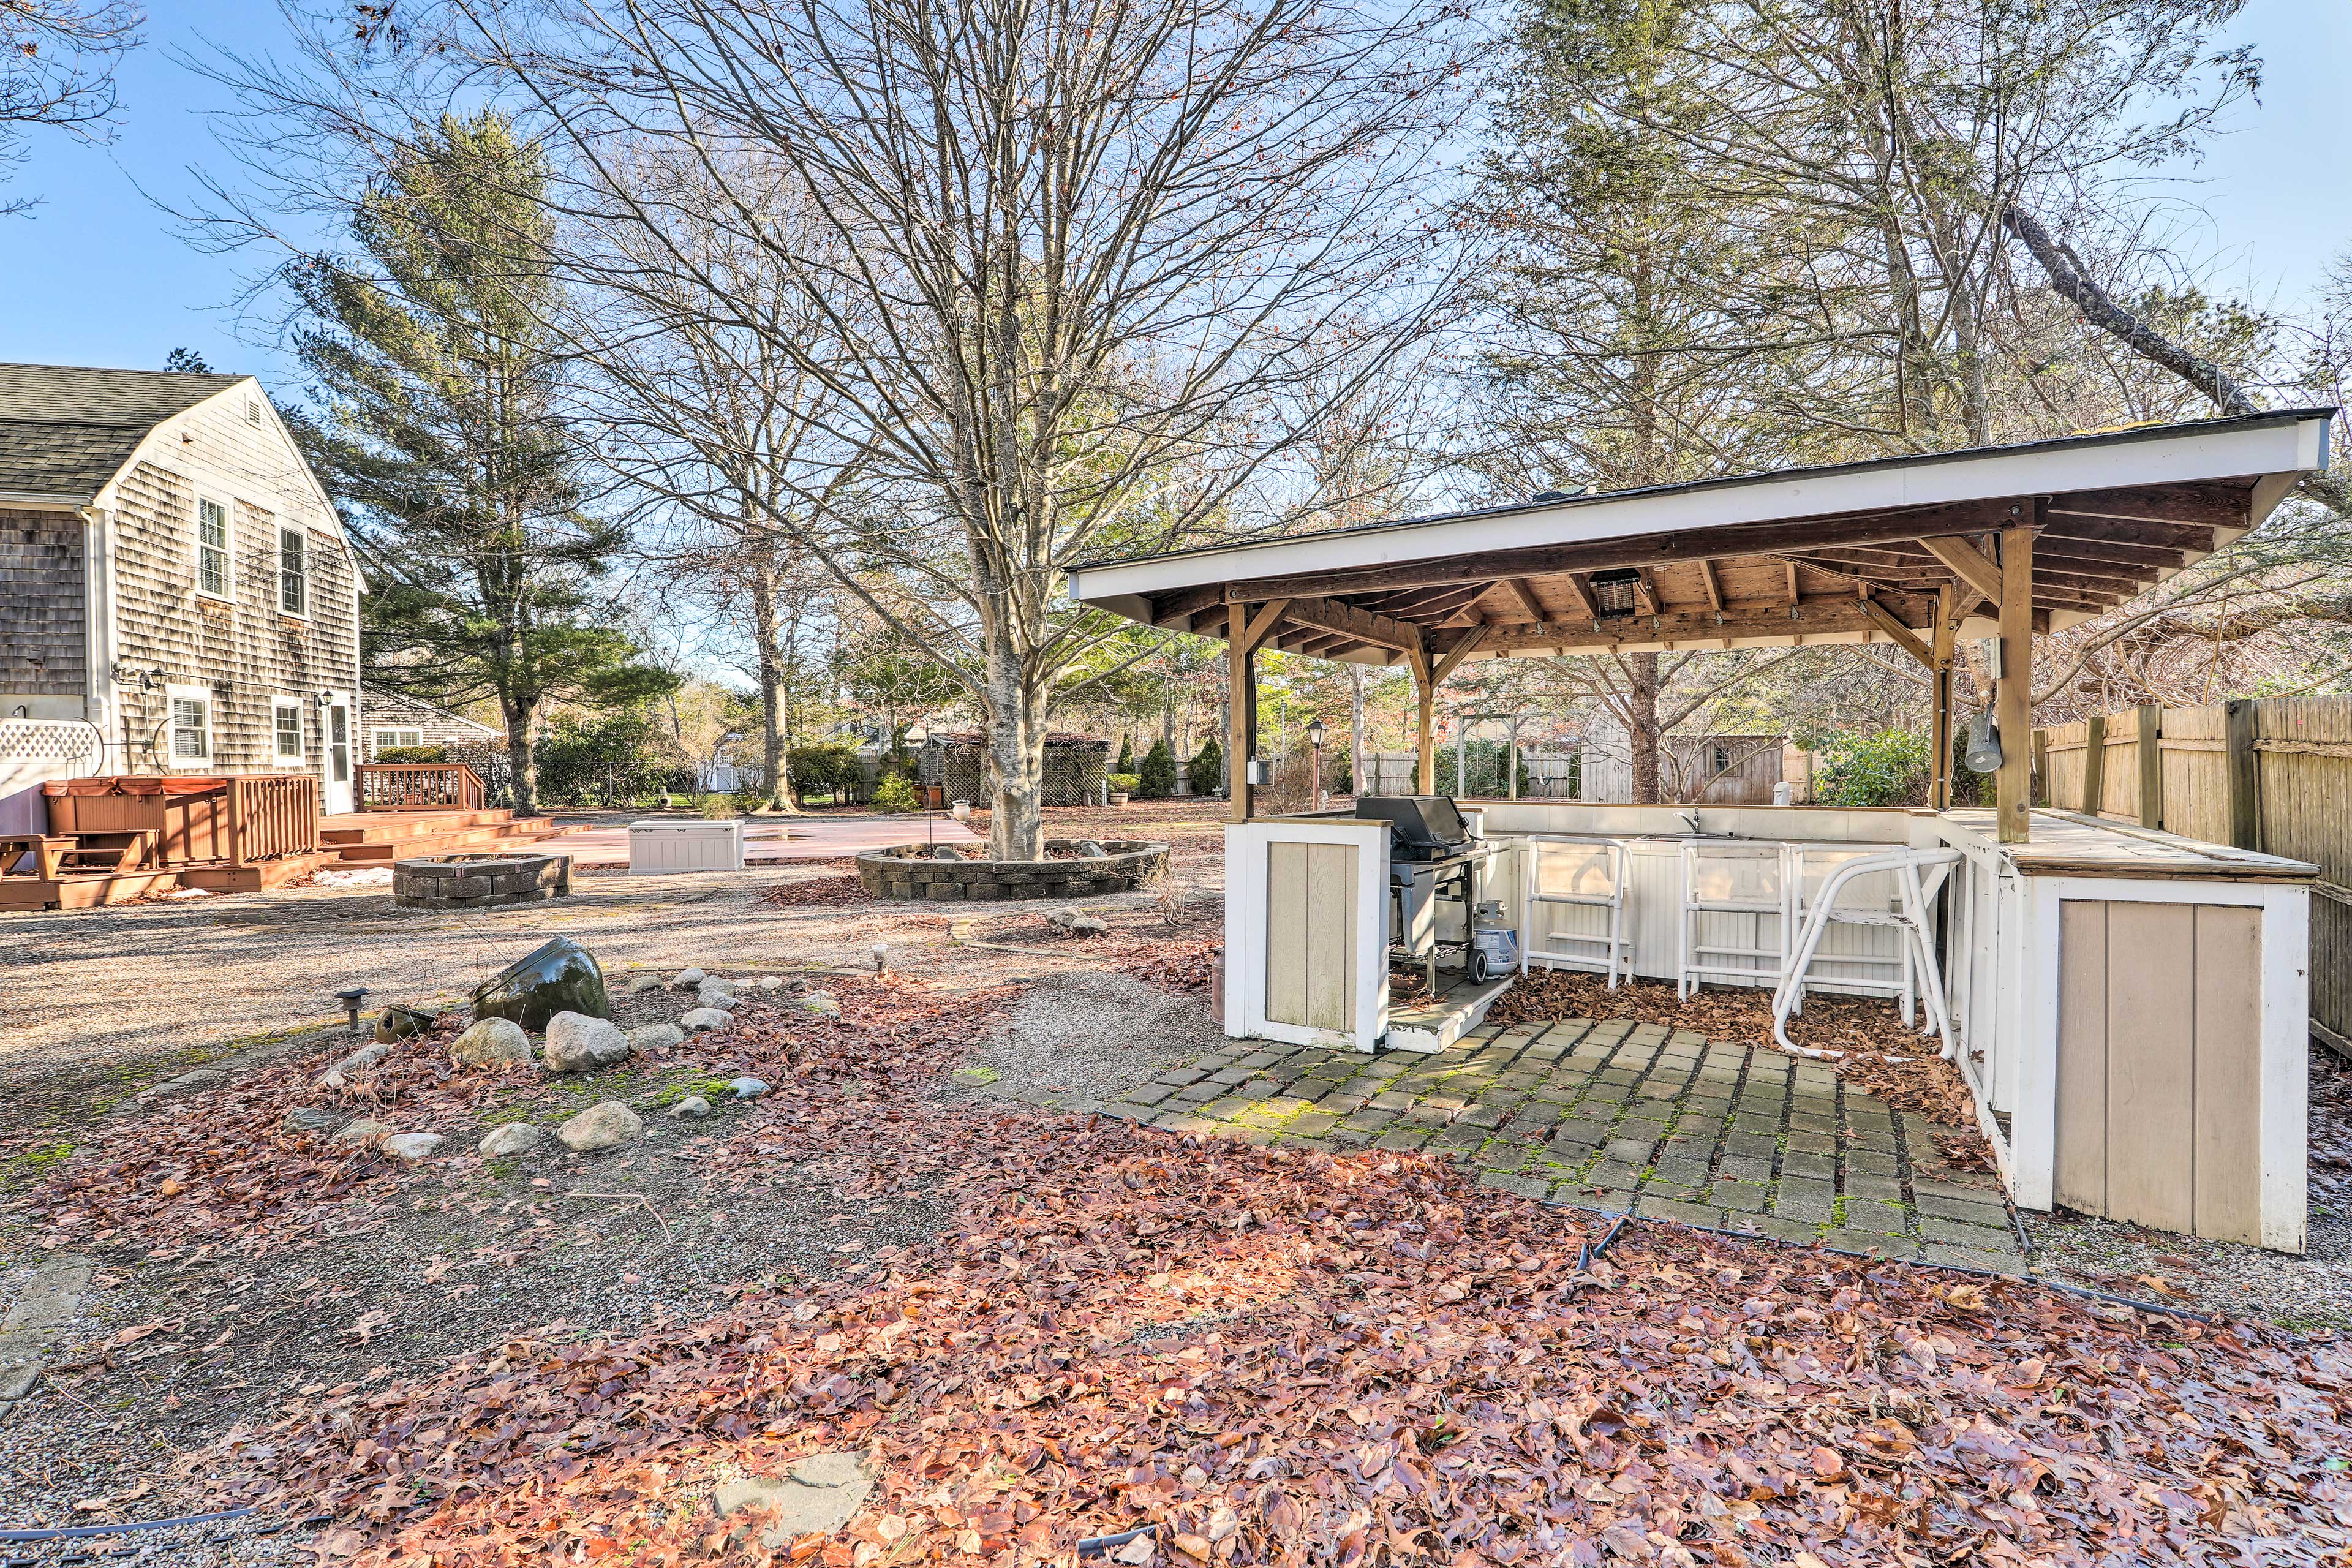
(376, 733)
(278, 576)
(300, 756)
(228, 549)
(172, 699)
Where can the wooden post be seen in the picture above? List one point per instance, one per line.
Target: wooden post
(2244, 777)
(2095, 764)
(1939, 703)
(2151, 765)
(1425, 740)
(1241, 713)
(2013, 701)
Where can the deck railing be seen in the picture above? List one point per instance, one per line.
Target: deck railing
(420, 786)
(240, 819)
(271, 815)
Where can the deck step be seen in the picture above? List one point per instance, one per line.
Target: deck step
(87, 891)
(501, 835)
(390, 827)
(255, 876)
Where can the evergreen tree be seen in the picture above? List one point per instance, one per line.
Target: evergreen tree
(1157, 777)
(1206, 771)
(1126, 755)
(443, 439)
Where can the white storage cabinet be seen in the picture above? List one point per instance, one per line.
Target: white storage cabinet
(661, 848)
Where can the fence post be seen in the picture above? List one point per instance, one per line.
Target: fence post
(2041, 787)
(2095, 764)
(2244, 775)
(2151, 765)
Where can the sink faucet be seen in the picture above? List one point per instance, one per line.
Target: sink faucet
(1692, 817)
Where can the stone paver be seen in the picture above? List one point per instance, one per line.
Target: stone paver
(1620, 1116)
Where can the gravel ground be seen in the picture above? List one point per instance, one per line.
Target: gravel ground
(2310, 1294)
(1077, 1038)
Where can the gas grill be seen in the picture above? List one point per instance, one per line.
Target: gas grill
(1432, 857)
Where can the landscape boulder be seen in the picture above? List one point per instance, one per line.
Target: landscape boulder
(311, 1119)
(716, 993)
(693, 1108)
(604, 1126)
(359, 1060)
(359, 1131)
(748, 1088)
(411, 1146)
(577, 1042)
(655, 1036)
(514, 1138)
(399, 1021)
(490, 1042)
(1089, 849)
(703, 1018)
(559, 976)
(686, 979)
(946, 852)
(820, 1002)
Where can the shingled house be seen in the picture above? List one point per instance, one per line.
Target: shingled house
(176, 593)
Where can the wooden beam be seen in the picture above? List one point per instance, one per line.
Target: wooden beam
(1900, 635)
(1363, 625)
(1576, 590)
(1258, 625)
(2206, 505)
(1841, 614)
(1939, 697)
(1525, 592)
(1424, 742)
(1177, 606)
(1241, 721)
(1969, 564)
(1451, 659)
(1794, 597)
(1714, 586)
(1646, 591)
(1651, 550)
(2014, 700)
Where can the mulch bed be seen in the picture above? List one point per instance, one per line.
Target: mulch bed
(1287, 1357)
(817, 892)
(1174, 964)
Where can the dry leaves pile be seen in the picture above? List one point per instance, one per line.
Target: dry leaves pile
(1284, 1356)
(2331, 1129)
(1174, 964)
(218, 1171)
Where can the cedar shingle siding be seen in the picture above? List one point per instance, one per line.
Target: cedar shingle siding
(42, 604)
(172, 439)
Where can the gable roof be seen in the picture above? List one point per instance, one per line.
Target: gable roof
(65, 430)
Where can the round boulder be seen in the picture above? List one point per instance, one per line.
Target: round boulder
(490, 1042)
(693, 1108)
(703, 1018)
(411, 1146)
(604, 1126)
(686, 979)
(655, 1036)
(514, 1138)
(576, 1043)
(748, 1088)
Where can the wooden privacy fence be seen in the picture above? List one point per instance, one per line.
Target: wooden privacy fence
(2272, 774)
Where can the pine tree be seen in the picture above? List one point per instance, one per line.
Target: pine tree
(1157, 775)
(443, 442)
(1206, 771)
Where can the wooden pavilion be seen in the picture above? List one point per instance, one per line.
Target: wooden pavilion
(1999, 542)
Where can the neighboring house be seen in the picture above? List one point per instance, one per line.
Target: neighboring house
(1704, 770)
(171, 577)
(387, 722)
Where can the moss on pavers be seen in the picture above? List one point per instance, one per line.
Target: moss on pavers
(1875, 1216)
(1984, 1209)
(1743, 1197)
(1704, 1216)
(1780, 1228)
(1872, 1244)
(1526, 1186)
(1969, 1258)
(1950, 1233)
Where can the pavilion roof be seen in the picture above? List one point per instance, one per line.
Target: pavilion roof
(1854, 553)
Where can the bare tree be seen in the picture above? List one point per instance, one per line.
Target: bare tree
(57, 69)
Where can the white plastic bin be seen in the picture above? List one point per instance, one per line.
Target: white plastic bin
(661, 848)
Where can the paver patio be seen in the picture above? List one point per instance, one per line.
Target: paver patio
(1619, 1117)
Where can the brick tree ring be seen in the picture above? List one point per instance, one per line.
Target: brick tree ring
(488, 881)
(915, 871)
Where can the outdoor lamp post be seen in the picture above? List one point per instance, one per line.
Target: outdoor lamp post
(351, 998)
(1315, 739)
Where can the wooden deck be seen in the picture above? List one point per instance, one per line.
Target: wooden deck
(350, 838)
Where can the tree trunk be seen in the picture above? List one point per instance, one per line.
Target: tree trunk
(773, 748)
(1642, 724)
(1015, 749)
(521, 764)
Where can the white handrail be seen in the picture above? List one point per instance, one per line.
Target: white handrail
(1906, 864)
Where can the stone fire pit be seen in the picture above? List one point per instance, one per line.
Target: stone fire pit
(915, 871)
(482, 881)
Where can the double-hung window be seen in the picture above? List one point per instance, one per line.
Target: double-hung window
(285, 730)
(293, 572)
(212, 550)
(387, 740)
(192, 724)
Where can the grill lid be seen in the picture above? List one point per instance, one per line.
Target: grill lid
(1421, 827)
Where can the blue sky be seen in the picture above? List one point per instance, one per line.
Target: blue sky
(97, 275)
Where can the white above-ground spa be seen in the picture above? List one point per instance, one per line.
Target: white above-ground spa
(2128, 1006)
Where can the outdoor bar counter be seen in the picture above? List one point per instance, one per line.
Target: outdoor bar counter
(2128, 1006)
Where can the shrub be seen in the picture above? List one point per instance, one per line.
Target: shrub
(719, 806)
(1156, 779)
(1125, 764)
(894, 793)
(1888, 767)
(413, 754)
(1207, 771)
(1125, 783)
(822, 770)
